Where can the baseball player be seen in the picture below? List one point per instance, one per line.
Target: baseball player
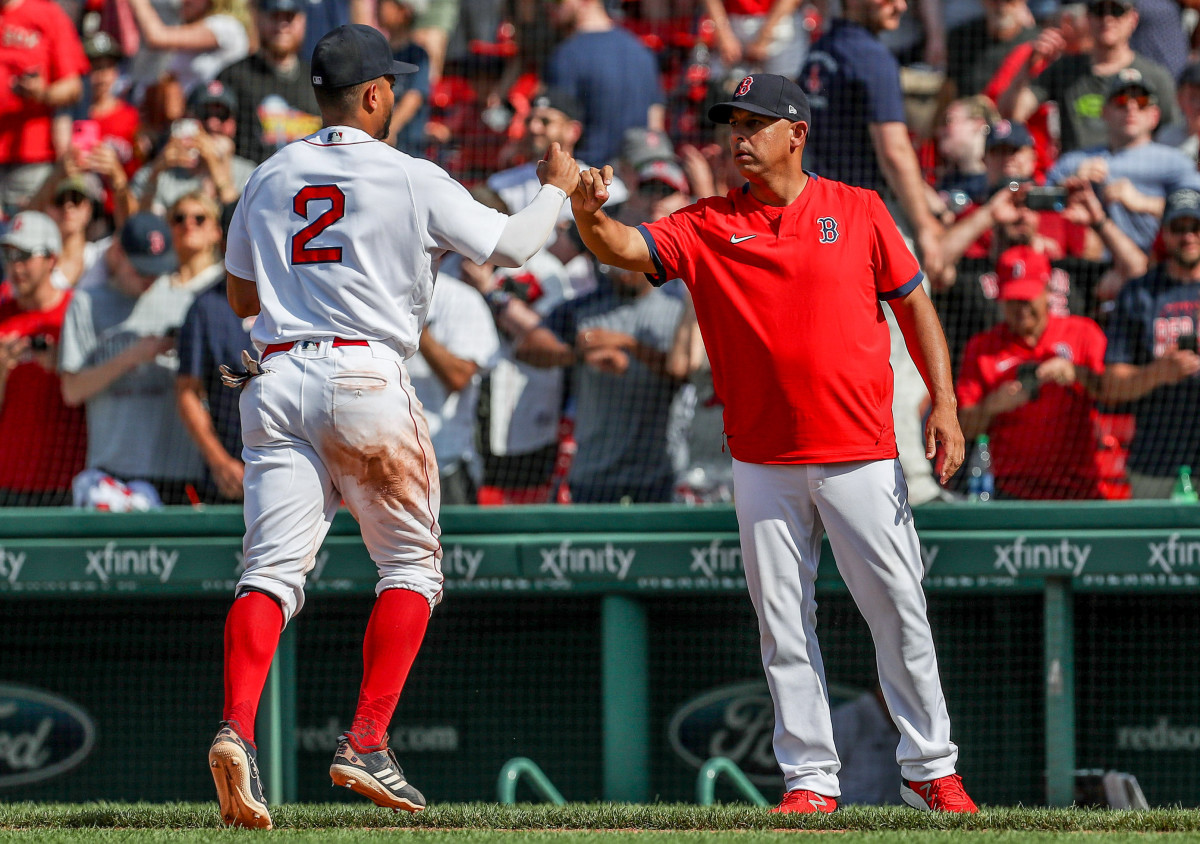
(788, 274)
(333, 246)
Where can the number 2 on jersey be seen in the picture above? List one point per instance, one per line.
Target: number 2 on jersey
(301, 253)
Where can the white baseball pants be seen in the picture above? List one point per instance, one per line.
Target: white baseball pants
(863, 507)
(329, 423)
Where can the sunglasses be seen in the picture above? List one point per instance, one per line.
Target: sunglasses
(1111, 10)
(1184, 227)
(13, 255)
(655, 189)
(1140, 100)
(197, 219)
(70, 197)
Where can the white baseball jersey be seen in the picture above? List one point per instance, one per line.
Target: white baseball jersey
(340, 233)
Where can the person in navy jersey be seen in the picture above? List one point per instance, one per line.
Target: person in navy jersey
(853, 84)
(612, 75)
(213, 334)
(1151, 358)
(788, 276)
(407, 130)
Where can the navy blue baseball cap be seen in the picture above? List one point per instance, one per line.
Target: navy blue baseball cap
(1130, 78)
(767, 94)
(146, 239)
(1005, 133)
(352, 54)
(1184, 202)
(300, 6)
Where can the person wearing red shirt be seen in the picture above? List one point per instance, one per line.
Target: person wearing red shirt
(788, 275)
(1030, 383)
(41, 70)
(45, 441)
(118, 121)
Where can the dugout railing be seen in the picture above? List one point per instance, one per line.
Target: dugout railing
(613, 645)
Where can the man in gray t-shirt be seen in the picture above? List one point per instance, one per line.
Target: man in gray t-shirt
(622, 396)
(118, 357)
(1132, 173)
(1079, 82)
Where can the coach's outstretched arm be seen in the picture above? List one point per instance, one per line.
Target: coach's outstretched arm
(926, 343)
(613, 243)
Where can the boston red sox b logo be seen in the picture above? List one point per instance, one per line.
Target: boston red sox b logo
(744, 88)
(829, 229)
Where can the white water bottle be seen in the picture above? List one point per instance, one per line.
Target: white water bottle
(981, 483)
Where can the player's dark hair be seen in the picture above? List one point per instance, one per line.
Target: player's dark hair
(340, 101)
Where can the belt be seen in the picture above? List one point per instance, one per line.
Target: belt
(284, 347)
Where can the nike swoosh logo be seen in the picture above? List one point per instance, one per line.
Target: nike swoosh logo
(735, 239)
(1007, 363)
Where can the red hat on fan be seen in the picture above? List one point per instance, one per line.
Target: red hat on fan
(1022, 273)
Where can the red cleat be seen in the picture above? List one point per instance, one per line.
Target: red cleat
(944, 794)
(806, 802)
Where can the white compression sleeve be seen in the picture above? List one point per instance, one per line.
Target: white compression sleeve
(527, 230)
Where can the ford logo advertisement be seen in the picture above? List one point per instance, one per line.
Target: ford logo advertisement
(736, 722)
(41, 735)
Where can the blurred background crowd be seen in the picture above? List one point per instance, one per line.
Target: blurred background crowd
(1041, 157)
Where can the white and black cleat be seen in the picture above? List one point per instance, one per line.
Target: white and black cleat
(375, 775)
(234, 767)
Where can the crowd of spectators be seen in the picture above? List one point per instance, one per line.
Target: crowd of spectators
(1039, 155)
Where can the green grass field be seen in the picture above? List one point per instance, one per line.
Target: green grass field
(643, 824)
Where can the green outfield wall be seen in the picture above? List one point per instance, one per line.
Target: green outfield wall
(613, 646)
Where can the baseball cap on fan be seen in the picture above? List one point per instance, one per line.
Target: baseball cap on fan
(1022, 274)
(1009, 135)
(352, 54)
(559, 100)
(33, 232)
(1131, 79)
(146, 240)
(766, 94)
(300, 6)
(1184, 202)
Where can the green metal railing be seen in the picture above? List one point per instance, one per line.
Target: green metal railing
(712, 770)
(510, 777)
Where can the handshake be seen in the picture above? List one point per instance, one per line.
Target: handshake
(587, 190)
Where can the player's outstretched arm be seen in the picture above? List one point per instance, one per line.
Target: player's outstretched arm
(613, 243)
(918, 321)
(528, 229)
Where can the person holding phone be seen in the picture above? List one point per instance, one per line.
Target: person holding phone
(116, 122)
(1131, 172)
(1030, 384)
(40, 72)
(198, 154)
(45, 439)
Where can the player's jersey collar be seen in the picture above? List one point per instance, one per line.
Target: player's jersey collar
(338, 135)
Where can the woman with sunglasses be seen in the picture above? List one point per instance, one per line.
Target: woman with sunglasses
(196, 232)
(73, 210)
